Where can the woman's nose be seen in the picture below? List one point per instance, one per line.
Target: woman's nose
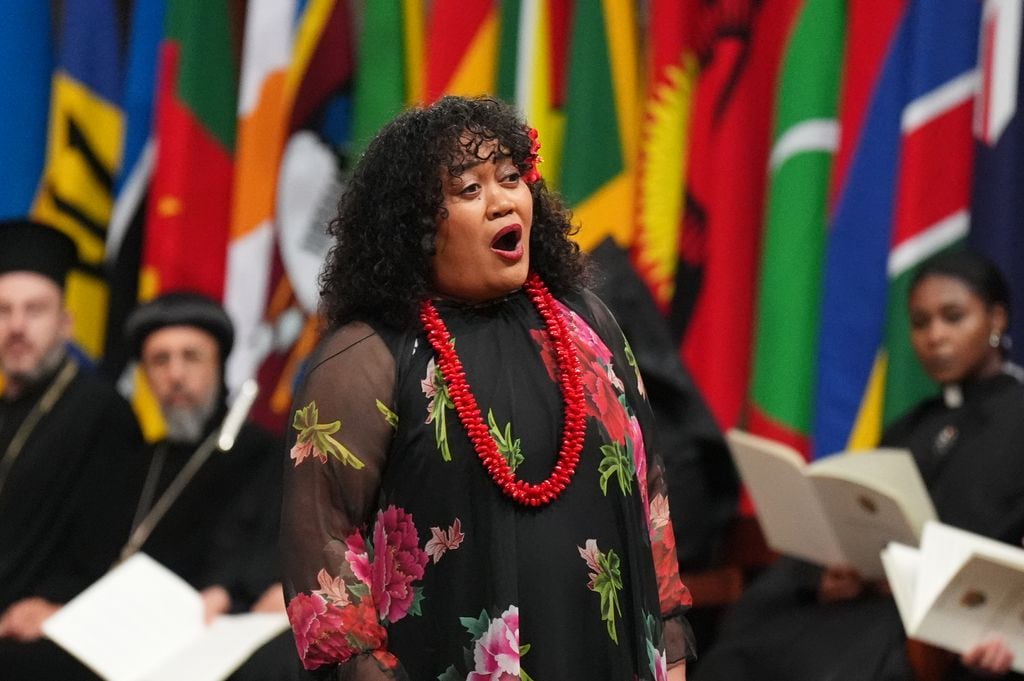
(501, 204)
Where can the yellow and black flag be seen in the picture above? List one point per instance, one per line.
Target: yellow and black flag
(86, 136)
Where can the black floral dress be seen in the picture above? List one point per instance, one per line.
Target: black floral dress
(404, 559)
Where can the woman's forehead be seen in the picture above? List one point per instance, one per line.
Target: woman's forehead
(480, 147)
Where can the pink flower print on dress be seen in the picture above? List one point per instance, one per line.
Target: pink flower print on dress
(443, 541)
(326, 634)
(302, 450)
(591, 554)
(636, 437)
(659, 512)
(496, 652)
(397, 561)
(331, 589)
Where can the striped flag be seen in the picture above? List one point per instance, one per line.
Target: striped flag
(731, 132)
(26, 66)
(83, 155)
(661, 170)
(998, 203)
(462, 48)
(532, 69)
(185, 245)
(383, 79)
(602, 121)
(307, 189)
(789, 297)
(127, 221)
(913, 160)
(263, 108)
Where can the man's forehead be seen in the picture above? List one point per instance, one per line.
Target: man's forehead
(178, 337)
(20, 286)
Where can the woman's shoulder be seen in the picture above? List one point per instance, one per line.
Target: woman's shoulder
(590, 305)
(353, 343)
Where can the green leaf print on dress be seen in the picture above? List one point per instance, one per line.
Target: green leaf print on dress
(510, 448)
(605, 580)
(389, 416)
(436, 390)
(315, 439)
(618, 462)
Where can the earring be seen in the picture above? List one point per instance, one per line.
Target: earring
(994, 339)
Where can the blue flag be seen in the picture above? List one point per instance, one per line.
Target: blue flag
(997, 210)
(26, 63)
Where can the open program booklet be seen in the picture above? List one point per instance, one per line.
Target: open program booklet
(958, 589)
(842, 509)
(141, 622)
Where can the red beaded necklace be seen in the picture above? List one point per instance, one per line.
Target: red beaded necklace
(574, 428)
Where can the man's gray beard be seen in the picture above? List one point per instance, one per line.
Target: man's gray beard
(18, 382)
(185, 424)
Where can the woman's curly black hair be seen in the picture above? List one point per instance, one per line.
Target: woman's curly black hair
(380, 266)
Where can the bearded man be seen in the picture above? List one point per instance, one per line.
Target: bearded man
(69, 452)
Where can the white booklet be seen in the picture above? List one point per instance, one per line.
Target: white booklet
(141, 622)
(958, 589)
(842, 509)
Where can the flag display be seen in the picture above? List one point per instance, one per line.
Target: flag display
(189, 211)
(26, 65)
(601, 121)
(731, 136)
(921, 95)
(776, 170)
(83, 155)
(123, 254)
(661, 167)
(997, 202)
(795, 226)
(317, 125)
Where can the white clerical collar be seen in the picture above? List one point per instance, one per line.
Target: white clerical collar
(953, 395)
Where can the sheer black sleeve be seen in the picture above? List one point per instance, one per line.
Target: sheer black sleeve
(342, 427)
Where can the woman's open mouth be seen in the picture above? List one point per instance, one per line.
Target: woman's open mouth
(508, 242)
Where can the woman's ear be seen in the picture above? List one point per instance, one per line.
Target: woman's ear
(1000, 320)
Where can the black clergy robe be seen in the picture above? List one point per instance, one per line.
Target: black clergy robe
(971, 458)
(66, 503)
(67, 499)
(222, 530)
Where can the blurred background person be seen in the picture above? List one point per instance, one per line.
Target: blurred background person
(220, 530)
(800, 621)
(69, 447)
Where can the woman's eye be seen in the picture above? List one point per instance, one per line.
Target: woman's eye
(512, 177)
(469, 189)
(953, 316)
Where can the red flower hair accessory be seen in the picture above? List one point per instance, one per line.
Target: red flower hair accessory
(531, 174)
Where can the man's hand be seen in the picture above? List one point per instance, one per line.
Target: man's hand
(272, 600)
(24, 619)
(840, 583)
(216, 602)
(992, 658)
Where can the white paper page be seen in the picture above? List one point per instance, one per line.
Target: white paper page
(945, 549)
(984, 597)
(901, 563)
(788, 508)
(129, 621)
(892, 472)
(222, 648)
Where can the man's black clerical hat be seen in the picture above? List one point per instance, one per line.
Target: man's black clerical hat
(180, 308)
(34, 247)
